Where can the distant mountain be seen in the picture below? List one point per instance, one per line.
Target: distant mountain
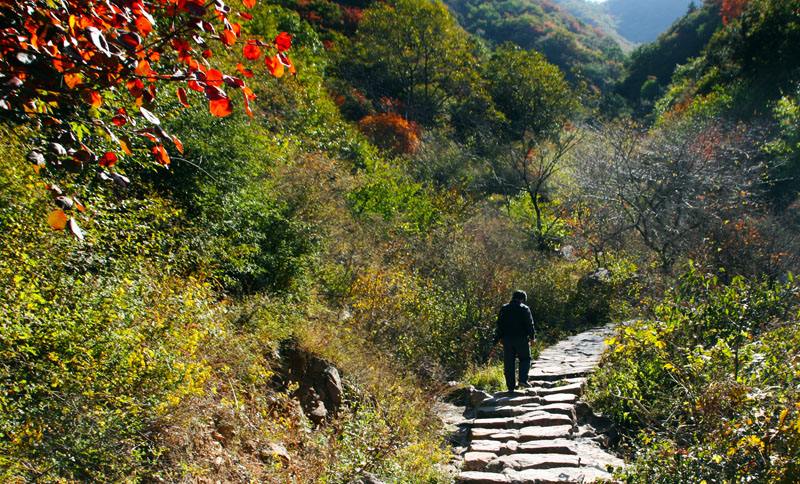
(583, 52)
(650, 67)
(629, 22)
(643, 20)
(597, 15)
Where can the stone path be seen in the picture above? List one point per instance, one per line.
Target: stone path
(544, 433)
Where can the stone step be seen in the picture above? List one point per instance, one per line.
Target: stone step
(593, 455)
(517, 398)
(542, 419)
(521, 462)
(560, 374)
(574, 388)
(477, 461)
(479, 449)
(478, 433)
(552, 383)
(494, 422)
(496, 408)
(559, 398)
(559, 475)
(531, 435)
(562, 408)
(532, 416)
(504, 410)
(545, 433)
(473, 477)
(522, 435)
(555, 446)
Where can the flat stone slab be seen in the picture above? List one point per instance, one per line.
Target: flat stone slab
(482, 478)
(560, 398)
(552, 383)
(574, 388)
(562, 414)
(544, 433)
(492, 446)
(477, 461)
(533, 461)
(502, 435)
(592, 455)
(494, 422)
(562, 474)
(542, 419)
(562, 408)
(555, 446)
(517, 398)
(555, 374)
(505, 410)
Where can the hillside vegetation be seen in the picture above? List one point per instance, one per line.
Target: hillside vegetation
(205, 223)
(584, 53)
(705, 382)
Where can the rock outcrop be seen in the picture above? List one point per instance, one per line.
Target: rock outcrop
(320, 387)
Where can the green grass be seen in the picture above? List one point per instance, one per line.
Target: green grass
(488, 378)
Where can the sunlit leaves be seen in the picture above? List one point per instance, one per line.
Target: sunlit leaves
(108, 159)
(160, 154)
(228, 37)
(72, 80)
(274, 66)
(57, 219)
(184, 100)
(152, 118)
(74, 229)
(283, 42)
(251, 51)
(220, 107)
(93, 98)
(213, 77)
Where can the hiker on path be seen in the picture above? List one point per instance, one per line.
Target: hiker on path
(515, 329)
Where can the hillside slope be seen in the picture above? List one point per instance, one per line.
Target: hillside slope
(581, 51)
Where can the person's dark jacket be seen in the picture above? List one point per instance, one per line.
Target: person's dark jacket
(514, 321)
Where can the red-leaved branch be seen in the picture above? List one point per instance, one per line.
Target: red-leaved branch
(88, 74)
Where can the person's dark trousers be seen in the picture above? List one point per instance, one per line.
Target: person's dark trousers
(514, 348)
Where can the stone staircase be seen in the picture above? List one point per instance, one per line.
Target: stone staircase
(544, 433)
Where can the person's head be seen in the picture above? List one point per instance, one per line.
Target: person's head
(519, 296)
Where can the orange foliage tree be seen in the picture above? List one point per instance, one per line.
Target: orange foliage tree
(392, 132)
(87, 75)
(731, 9)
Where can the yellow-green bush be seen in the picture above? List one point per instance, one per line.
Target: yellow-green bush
(707, 390)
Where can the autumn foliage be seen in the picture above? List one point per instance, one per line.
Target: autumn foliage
(731, 9)
(89, 75)
(391, 131)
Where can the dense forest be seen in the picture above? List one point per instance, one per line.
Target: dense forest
(252, 241)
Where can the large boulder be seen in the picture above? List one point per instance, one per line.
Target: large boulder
(591, 301)
(320, 390)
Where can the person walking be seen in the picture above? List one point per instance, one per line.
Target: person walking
(516, 330)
